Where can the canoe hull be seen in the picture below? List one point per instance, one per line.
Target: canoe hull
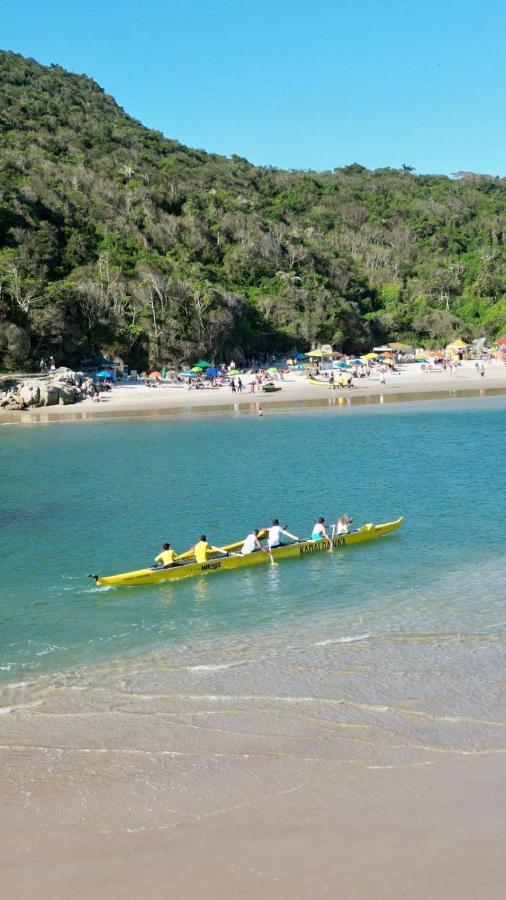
(297, 550)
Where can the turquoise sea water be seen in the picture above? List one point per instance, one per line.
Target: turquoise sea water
(101, 497)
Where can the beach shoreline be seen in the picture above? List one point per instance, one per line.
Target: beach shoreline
(128, 400)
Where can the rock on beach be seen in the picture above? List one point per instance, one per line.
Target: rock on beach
(61, 387)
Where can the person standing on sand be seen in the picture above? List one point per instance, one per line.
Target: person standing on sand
(232, 385)
(52, 364)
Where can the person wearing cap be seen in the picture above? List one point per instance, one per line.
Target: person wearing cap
(167, 557)
(274, 535)
(319, 532)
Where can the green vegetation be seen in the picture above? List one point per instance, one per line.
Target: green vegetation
(115, 240)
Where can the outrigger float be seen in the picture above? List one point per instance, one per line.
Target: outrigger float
(297, 550)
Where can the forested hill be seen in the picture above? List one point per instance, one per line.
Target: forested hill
(115, 240)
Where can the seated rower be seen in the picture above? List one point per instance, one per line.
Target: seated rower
(342, 524)
(167, 557)
(319, 532)
(202, 548)
(274, 535)
(252, 544)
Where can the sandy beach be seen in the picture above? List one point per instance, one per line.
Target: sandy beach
(193, 782)
(409, 383)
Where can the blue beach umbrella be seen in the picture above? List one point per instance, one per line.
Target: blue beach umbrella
(105, 374)
(211, 372)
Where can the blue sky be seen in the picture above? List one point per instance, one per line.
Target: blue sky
(292, 84)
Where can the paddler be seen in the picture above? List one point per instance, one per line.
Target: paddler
(202, 548)
(343, 524)
(252, 543)
(167, 557)
(274, 535)
(319, 532)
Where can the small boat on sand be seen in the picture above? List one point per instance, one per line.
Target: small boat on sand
(186, 566)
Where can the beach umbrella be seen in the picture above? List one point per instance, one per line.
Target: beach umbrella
(211, 372)
(188, 374)
(202, 364)
(197, 370)
(299, 355)
(370, 356)
(272, 371)
(501, 342)
(155, 375)
(106, 374)
(235, 372)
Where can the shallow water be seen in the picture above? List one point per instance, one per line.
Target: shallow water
(397, 644)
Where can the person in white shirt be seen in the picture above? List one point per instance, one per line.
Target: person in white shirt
(274, 535)
(342, 524)
(252, 543)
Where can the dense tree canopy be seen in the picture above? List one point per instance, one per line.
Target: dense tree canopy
(115, 240)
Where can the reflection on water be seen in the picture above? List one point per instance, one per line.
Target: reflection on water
(246, 408)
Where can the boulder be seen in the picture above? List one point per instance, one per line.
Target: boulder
(60, 387)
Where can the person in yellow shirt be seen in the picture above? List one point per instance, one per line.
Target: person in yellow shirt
(202, 548)
(167, 557)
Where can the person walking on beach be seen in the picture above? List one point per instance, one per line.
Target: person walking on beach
(42, 366)
(239, 385)
(232, 385)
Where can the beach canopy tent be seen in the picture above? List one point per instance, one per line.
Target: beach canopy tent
(456, 345)
(212, 372)
(318, 354)
(106, 374)
(402, 348)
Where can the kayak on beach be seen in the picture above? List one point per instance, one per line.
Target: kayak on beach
(295, 550)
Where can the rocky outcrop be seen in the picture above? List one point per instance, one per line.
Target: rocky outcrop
(57, 388)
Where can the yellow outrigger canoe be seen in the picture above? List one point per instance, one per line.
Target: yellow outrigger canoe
(298, 549)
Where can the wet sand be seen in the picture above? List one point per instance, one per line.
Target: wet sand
(197, 781)
(128, 400)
